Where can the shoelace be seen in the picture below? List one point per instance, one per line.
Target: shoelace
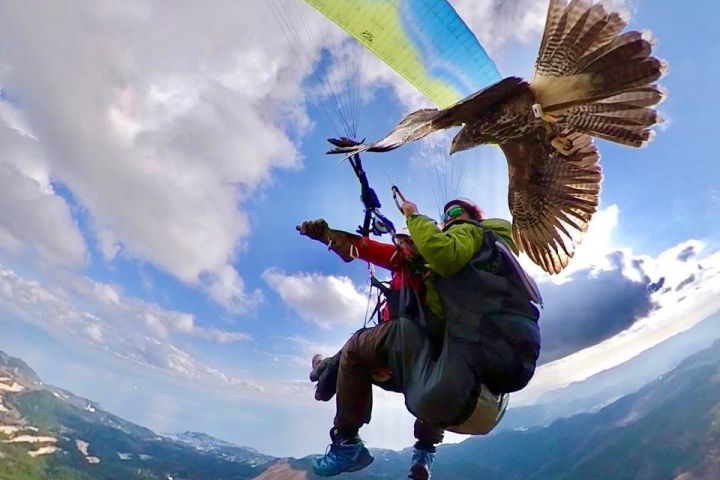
(332, 449)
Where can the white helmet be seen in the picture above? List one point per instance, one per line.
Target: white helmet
(462, 201)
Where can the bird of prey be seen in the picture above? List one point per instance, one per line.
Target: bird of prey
(590, 80)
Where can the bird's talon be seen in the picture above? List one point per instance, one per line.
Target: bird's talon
(562, 144)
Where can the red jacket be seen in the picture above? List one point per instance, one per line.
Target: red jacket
(392, 258)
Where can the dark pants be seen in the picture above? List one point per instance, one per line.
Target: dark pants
(427, 436)
(363, 353)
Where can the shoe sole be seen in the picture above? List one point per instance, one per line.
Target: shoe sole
(316, 359)
(418, 472)
(350, 470)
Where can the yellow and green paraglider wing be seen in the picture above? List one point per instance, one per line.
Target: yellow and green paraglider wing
(425, 41)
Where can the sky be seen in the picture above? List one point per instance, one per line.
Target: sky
(155, 160)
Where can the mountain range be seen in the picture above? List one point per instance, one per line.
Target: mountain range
(667, 429)
(603, 388)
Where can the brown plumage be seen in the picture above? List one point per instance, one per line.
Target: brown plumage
(552, 196)
(590, 80)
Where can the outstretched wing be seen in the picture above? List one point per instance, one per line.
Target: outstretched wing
(552, 196)
(415, 126)
(423, 122)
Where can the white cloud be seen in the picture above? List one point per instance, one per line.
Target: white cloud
(32, 214)
(497, 23)
(181, 363)
(109, 245)
(687, 291)
(110, 302)
(325, 300)
(94, 332)
(302, 388)
(160, 125)
(227, 288)
(100, 314)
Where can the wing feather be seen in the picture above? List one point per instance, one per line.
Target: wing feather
(552, 196)
(422, 123)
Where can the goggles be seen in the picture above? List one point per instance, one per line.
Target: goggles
(454, 212)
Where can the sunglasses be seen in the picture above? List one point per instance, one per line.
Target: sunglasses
(454, 212)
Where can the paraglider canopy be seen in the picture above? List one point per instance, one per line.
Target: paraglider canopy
(424, 41)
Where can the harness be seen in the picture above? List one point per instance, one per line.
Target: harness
(490, 313)
(502, 256)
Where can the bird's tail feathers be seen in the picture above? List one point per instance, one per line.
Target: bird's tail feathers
(625, 118)
(596, 79)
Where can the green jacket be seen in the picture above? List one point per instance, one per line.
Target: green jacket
(446, 253)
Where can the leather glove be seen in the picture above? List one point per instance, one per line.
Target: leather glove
(342, 243)
(315, 229)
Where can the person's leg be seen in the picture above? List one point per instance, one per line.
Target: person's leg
(428, 437)
(360, 355)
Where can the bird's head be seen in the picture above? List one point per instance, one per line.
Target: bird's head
(460, 143)
(465, 140)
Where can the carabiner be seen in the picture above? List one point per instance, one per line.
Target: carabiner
(396, 193)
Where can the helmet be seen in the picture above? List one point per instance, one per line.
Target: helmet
(462, 201)
(403, 233)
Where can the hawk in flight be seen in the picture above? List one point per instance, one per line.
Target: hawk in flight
(590, 80)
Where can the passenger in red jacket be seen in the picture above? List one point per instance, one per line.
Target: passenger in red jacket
(403, 260)
(406, 266)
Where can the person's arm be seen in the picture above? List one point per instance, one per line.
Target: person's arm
(383, 255)
(445, 252)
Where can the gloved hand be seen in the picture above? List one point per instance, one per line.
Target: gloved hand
(342, 243)
(315, 229)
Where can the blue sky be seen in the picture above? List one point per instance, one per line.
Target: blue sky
(152, 179)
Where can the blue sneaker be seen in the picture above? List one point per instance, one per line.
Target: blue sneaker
(422, 462)
(342, 457)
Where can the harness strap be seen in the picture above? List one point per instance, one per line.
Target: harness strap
(504, 250)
